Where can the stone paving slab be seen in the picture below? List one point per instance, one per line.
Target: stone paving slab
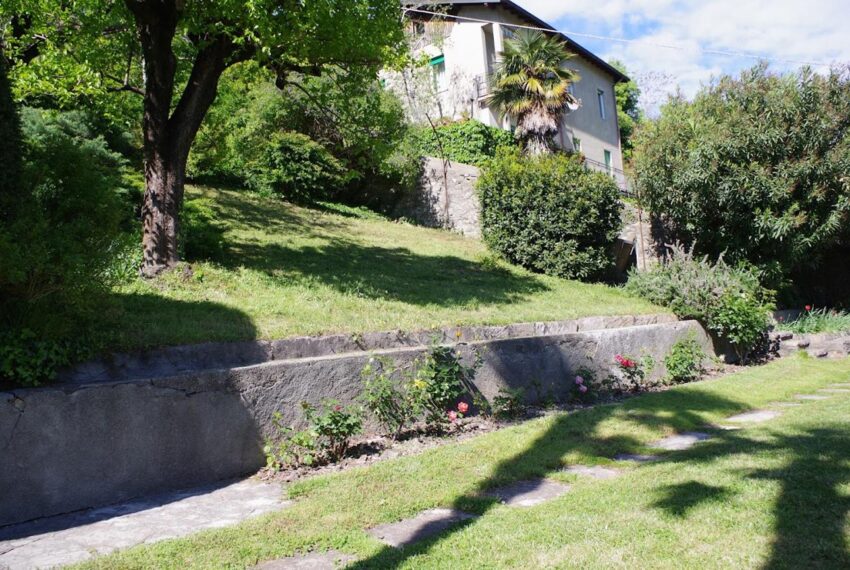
(681, 441)
(424, 525)
(788, 404)
(66, 539)
(755, 417)
(636, 457)
(835, 390)
(330, 560)
(529, 493)
(840, 385)
(594, 471)
(810, 397)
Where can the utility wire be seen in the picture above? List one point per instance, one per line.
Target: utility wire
(623, 40)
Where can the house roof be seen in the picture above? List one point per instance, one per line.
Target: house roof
(525, 14)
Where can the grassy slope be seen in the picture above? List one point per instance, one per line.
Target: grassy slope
(774, 495)
(295, 271)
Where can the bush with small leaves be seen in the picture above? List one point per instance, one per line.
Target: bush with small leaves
(508, 404)
(333, 425)
(387, 394)
(685, 363)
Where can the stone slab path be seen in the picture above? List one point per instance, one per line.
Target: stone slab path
(330, 560)
(424, 525)
(594, 471)
(835, 390)
(681, 441)
(754, 417)
(810, 397)
(66, 539)
(635, 457)
(529, 493)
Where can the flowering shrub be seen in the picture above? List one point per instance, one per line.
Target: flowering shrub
(392, 402)
(440, 380)
(632, 371)
(334, 426)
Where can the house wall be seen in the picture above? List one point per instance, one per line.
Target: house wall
(465, 59)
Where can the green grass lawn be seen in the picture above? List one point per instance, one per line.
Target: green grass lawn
(773, 495)
(290, 271)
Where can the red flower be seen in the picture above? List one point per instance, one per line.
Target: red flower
(337, 408)
(808, 307)
(463, 407)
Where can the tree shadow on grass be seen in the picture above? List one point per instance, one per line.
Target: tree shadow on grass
(568, 434)
(809, 514)
(392, 273)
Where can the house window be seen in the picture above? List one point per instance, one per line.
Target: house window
(419, 29)
(438, 66)
(507, 33)
(608, 166)
(577, 144)
(600, 96)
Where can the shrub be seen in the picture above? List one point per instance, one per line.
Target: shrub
(508, 404)
(440, 380)
(550, 215)
(289, 448)
(467, 142)
(57, 240)
(333, 425)
(294, 167)
(685, 361)
(632, 371)
(728, 301)
(389, 400)
(755, 167)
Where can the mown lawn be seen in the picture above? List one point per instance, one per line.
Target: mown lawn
(288, 271)
(774, 495)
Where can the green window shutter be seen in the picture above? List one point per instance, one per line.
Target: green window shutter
(438, 60)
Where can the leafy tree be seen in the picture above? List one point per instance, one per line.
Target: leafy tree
(531, 85)
(10, 144)
(629, 115)
(756, 167)
(172, 53)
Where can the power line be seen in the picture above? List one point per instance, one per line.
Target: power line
(623, 40)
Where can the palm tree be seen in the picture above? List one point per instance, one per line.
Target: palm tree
(531, 86)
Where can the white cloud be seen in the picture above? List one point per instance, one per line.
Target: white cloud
(814, 31)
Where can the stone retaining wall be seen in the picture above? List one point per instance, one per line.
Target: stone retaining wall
(77, 445)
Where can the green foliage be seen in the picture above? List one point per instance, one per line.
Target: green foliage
(334, 425)
(629, 115)
(27, 360)
(819, 321)
(440, 380)
(467, 141)
(10, 145)
(508, 404)
(390, 400)
(550, 215)
(685, 362)
(754, 168)
(203, 233)
(294, 167)
(350, 143)
(728, 300)
(289, 449)
(531, 85)
(56, 242)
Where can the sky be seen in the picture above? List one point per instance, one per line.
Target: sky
(801, 30)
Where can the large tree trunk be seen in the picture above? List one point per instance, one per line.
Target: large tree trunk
(168, 135)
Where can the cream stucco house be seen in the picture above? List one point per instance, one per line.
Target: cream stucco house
(463, 51)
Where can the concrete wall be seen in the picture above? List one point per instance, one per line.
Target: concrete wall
(445, 198)
(72, 446)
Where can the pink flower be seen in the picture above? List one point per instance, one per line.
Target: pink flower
(463, 407)
(452, 416)
(582, 388)
(337, 408)
(579, 380)
(808, 307)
